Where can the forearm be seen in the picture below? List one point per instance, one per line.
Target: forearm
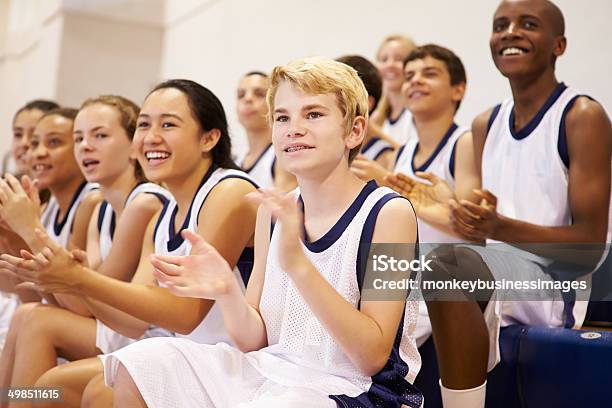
(74, 303)
(438, 216)
(151, 304)
(116, 319)
(243, 322)
(511, 230)
(28, 235)
(351, 329)
(576, 243)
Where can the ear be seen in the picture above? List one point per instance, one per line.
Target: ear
(357, 133)
(209, 140)
(458, 92)
(560, 46)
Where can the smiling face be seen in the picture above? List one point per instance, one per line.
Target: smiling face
(309, 132)
(390, 61)
(101, 145)
(51, 152)
(527, 37)
(167, 141)
(427, 88)
(23, 127)
(251, 102)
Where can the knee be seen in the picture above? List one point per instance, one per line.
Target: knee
(36, 320)
(22, 314)
(51, 379)
(95, 392)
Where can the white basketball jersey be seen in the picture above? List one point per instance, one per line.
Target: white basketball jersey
(527, 170)
(441, 163)
(375, 148)
(262, 171)
(211, 330)
(61, 230)
(107, 339)
(107, 219)
(524, 169)
(401, 129)
(294, 332)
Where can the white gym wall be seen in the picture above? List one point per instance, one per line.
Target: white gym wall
(73, 49)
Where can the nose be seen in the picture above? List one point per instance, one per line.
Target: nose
(511, 31)
(24, 142)
(39, 151)
(85, 145)
(417, 78)
(151, 136)
(296, 129)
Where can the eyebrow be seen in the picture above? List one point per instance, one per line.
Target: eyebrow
(53, 134)
(427, 68)
(163, 115)
(280, 110)
(305, 108)
(91, 130)
(522, 16)
(314, 106)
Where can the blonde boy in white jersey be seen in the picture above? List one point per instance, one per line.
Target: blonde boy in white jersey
(528, 36)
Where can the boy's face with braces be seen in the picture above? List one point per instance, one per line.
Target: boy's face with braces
(309, 131)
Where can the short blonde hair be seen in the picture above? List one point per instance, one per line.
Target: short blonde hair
(320, 75)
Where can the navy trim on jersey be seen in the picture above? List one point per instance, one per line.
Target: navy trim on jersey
(245, 264)
(371, 143)
(160, 218)
(176, 239)
(336, 231)
(162, 198)
(273, 168)
(57, 228)
(257, 160)
(399, 153)
(367, 233)
(535, 121)
(394, 121)
(382, 151)
(562, 141)
(101, 213)
(389, 388)
(451, 162)
(113, 225)
(424, 166)
(494, 114)
(237, 176)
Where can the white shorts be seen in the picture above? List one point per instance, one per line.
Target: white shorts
(9, 302)
(175, 372)
(108, 340)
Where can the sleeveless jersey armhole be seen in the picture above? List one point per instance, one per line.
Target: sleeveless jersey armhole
(101, 212)
(365, 241)
(562, 141)
(492, 118)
